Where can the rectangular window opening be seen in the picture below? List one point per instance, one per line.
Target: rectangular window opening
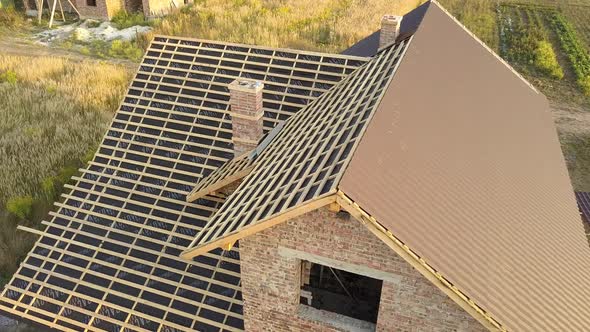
(341, 292)
(91, 3)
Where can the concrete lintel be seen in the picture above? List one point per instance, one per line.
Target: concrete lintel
(352, 268)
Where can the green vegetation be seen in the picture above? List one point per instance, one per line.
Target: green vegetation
(21, 207)
(11, 19)
(546, 60)
(525, 42)
(8, 77)
(479, 16)
(126, 50)
(51, 120)
(576, 149)
(575, 51)
(123, 19)
(119, 49)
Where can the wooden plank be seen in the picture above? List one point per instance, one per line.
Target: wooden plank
(313, 205)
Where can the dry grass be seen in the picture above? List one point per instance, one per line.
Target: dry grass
(319, 25)
(53, 112)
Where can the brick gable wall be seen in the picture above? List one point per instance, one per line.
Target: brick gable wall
(271, 280)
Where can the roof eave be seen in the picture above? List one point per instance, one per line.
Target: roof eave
(226, 242)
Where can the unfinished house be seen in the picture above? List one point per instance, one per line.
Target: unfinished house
(106, 9)
(414, 183)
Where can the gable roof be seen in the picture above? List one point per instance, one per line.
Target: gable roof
(463, 165)
(109, 257)
(465, 174)
(304, 163)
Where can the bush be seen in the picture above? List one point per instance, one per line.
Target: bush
(126, 50)
(8, 77)
(21, 207)
(48, 188)
(546, 60)
(123, 19)
(10, 18)
(584, 84)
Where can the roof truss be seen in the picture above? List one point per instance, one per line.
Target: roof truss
(309, 155)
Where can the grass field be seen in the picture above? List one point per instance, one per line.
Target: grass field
(53, 113)
(319, 25)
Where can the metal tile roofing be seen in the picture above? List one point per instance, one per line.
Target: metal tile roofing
(109, 257)
(462, 164)
(308, 157)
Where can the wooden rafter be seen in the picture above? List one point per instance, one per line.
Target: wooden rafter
(229, 240)
(227, 174)
(308, 156)
(109, 258)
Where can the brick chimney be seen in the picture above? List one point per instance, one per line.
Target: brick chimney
(246, 111)
(390, 25)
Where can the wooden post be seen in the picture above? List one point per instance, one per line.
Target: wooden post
(39, 10)
(74, 8)
(52, 13)
(61, 8)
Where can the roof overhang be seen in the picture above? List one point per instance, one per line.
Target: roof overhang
(226, 242)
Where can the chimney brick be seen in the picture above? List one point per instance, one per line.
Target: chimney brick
(390, 28)
(246, 111)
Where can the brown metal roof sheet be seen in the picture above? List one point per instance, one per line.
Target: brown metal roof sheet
(462, 163)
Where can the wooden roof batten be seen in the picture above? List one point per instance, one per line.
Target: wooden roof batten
(109, 258)
(233, 170)
(312, 149)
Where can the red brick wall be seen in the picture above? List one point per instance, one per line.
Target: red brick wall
(104, 9)
(270, 282)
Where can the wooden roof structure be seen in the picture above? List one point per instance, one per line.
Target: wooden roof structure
(109, 257)
(304, 163)
(461, 177)
(232, 171)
